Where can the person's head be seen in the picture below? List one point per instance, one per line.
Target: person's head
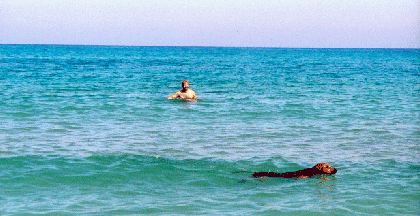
(185, 84)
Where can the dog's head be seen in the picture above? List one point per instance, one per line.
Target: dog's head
(325, 168)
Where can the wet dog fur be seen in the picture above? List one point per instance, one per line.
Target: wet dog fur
(319, 169)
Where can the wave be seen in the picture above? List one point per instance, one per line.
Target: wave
(116, 184)
(117, 169)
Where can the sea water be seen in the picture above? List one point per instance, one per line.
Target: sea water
(87, 130)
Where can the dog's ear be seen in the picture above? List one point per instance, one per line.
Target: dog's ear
(319, 166)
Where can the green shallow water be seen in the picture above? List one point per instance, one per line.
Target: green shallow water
(88, 130)
(133, 184)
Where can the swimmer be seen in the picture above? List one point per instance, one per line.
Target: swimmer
(319, 169)
(185, 94)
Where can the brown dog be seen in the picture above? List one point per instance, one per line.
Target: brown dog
(319, 169)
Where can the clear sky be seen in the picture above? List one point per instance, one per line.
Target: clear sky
(243, 23)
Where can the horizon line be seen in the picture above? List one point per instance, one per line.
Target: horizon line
(204, 46)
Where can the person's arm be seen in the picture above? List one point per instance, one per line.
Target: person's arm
(175, 96)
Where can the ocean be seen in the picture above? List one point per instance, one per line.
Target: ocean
(87, 130)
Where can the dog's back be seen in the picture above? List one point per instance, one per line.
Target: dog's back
(319, 169)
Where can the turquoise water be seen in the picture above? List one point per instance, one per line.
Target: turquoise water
(88, 130)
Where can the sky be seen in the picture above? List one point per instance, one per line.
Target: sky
(226, 23)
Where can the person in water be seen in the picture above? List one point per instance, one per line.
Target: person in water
(185, 94)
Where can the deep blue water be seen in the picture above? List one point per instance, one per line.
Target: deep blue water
(88, 130)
